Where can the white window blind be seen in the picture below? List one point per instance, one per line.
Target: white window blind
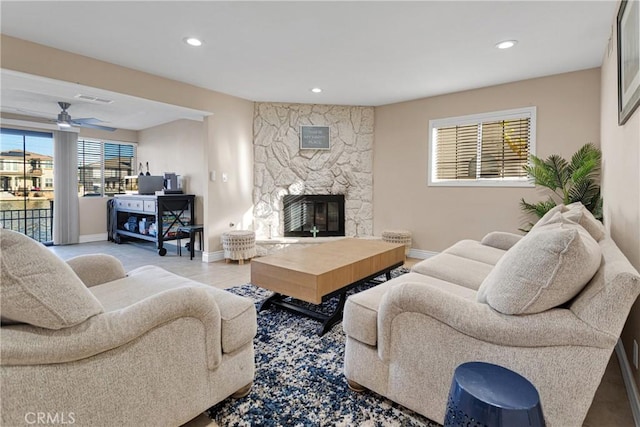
(103, 166)
(502, 141)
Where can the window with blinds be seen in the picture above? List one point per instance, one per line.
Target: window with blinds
(483, 149)
(103, 166)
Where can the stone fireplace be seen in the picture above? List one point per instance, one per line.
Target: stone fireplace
(282, 168)
(313, 215)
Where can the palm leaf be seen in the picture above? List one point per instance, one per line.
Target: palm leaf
(589, 170)
(559, 166)
(596, 208)
(585, 163)
(546, 173)
(586, 154)
(592, 200)
(538, 209)
(584, 191)
(577, 180)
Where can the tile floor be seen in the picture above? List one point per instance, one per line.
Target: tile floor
(610, 406)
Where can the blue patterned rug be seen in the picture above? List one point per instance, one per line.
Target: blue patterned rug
(299, 377)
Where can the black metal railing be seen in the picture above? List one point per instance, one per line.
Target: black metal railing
(36, 223)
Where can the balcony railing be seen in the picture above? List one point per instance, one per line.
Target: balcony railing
(35, 223)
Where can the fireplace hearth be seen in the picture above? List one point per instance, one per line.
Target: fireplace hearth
(313, 215)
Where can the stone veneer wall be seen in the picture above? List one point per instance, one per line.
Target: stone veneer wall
(281, 167)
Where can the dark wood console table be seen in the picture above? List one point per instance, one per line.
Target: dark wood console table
(168, 213)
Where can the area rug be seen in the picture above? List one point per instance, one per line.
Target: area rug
(299, 377)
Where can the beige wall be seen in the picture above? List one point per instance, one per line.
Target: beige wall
(568, 116)
(229, 202)
(621, 183)
(119, 135)
(227, 133)
(177, 147)
(186, 147)
(93, 218)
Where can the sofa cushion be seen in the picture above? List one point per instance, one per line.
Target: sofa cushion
(237, 313)
(39, 288)
(545, 269)
(360, 319)
(455, 269)
(474, 250)
(501, 240)
(578, 213)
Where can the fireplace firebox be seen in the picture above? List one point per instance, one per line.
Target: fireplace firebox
(313, 215)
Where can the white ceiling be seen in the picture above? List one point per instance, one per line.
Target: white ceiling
(36, 96)
(359, 53)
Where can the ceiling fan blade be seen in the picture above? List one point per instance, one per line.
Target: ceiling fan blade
(88, 120)
(64, 118)
(92, 126)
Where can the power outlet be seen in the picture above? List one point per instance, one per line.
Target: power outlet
(635, 353)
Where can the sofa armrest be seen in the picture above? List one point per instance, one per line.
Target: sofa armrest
(555, 327)
(30, 345)
(97, 269)
(501, 240)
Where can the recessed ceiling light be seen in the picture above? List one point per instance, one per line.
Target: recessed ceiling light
(316, 90)
(192, 41)
(506, 44)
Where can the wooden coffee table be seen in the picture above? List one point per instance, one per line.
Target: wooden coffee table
(319, 272)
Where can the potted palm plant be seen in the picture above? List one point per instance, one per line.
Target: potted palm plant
(576, 180)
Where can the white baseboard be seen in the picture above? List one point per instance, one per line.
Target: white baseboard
(101, 237)
(420, 254)
(629, 382)
(413, 253)
(212, 256)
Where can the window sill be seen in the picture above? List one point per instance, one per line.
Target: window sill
(481, 183)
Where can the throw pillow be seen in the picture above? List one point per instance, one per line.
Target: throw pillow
(546, 217)
(578, 213)
(545, 269)
(39, 288)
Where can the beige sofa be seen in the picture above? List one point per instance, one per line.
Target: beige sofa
(510, 300)
(83, 343)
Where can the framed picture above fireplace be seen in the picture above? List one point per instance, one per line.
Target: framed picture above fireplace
(315, 138)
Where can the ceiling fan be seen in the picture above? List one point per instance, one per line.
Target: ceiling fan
(65, 121)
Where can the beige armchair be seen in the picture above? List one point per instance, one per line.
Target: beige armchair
(85, 343)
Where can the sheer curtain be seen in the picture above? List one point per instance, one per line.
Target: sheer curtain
(66, 222)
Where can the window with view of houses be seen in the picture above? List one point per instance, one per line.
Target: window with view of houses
(103, 166)
(488, 149)
(27, 183)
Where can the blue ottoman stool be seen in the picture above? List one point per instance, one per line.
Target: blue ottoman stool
(487, 395)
